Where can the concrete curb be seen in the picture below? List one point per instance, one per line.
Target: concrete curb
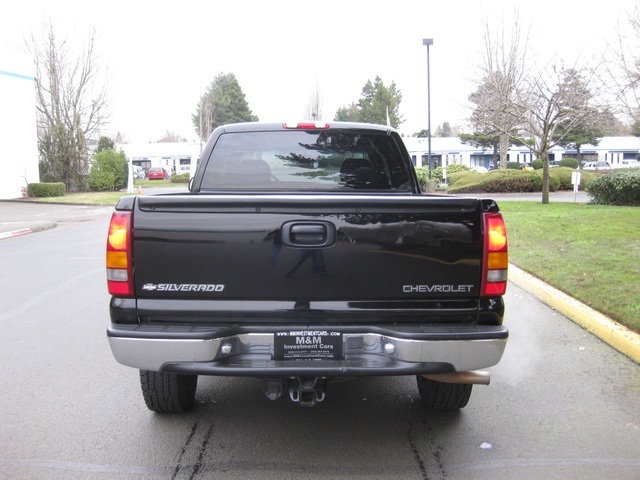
(610, 332)
(25, 231)
(15, 233)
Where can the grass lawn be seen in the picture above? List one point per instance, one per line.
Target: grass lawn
(590, 252)
(107, 198)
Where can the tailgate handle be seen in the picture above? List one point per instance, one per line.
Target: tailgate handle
(308, 234)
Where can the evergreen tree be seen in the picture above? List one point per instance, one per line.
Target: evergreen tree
(222, 103)
(587, 132)
(444, 130)
(109, 171)
(105, 143)
(375, 102)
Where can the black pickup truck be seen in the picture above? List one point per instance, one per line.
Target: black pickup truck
(301, 254)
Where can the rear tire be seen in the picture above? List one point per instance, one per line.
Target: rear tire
(168, 392)
(443, 396)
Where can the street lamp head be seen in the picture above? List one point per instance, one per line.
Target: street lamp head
(427, 41)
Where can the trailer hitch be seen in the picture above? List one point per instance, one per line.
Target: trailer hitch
(307, 391)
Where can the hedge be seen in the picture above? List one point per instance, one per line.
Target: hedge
(180, 178)
(564, 176)
(569, 162)
(438, 174)
(619, 188)
(56, 189)
(501, 181)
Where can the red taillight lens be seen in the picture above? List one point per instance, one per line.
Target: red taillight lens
(119, 267)
(495, 262)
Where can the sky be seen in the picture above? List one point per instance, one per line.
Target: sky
(158, 57)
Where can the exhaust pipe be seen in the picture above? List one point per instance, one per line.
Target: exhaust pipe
(475, 377)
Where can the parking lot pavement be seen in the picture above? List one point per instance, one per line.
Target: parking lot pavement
(24, 217)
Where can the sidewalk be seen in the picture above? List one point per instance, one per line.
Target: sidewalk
(554, 197)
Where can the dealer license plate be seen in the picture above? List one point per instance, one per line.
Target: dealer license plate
(307, 345)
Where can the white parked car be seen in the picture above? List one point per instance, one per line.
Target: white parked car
(628, 164)
(599, 165)
(138, 172)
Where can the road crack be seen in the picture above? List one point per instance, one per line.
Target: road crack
(416, 454)
(184, 449)
(429, 470)
(201, 451)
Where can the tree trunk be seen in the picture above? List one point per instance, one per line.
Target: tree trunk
(579, 155)
(504, 147)
(545, 177)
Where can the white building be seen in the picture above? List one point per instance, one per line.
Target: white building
(176, 157)
(18, 128)
(450, 150)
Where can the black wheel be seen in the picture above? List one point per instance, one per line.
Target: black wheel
(443, 396)
(168, 392)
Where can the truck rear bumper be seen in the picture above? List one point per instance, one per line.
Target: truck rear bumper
(365, 351)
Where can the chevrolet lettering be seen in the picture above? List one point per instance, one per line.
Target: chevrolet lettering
(303, 254)
(437, 288)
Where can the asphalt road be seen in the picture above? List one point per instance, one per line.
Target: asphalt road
(561, 404)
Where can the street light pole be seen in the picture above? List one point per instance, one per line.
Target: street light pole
(428, 42)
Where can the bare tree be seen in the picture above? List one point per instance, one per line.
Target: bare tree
(554, 102)
(313, 111)
(623, 68)
(71, 105)
(547, 103)
(170, 137)
(503, 71)
(205, 118)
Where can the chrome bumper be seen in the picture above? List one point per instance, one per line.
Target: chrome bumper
(251, 354)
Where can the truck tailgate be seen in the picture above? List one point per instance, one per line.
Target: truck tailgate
(307, 248)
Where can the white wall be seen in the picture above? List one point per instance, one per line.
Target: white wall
(18, 131)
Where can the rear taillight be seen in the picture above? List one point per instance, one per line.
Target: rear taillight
(119, 267)
(495, 261)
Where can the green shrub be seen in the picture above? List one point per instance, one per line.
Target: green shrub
(499, 181)
(438, 173)
(513, 166)
(423, 177)
(620, 188)
(554, 180)
(458, 176)
(537, 164)
(109, 171)
(563, 176)
(569, 162)
(56, 189)
(180, 178)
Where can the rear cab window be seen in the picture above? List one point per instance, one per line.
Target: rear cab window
(299, 160)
